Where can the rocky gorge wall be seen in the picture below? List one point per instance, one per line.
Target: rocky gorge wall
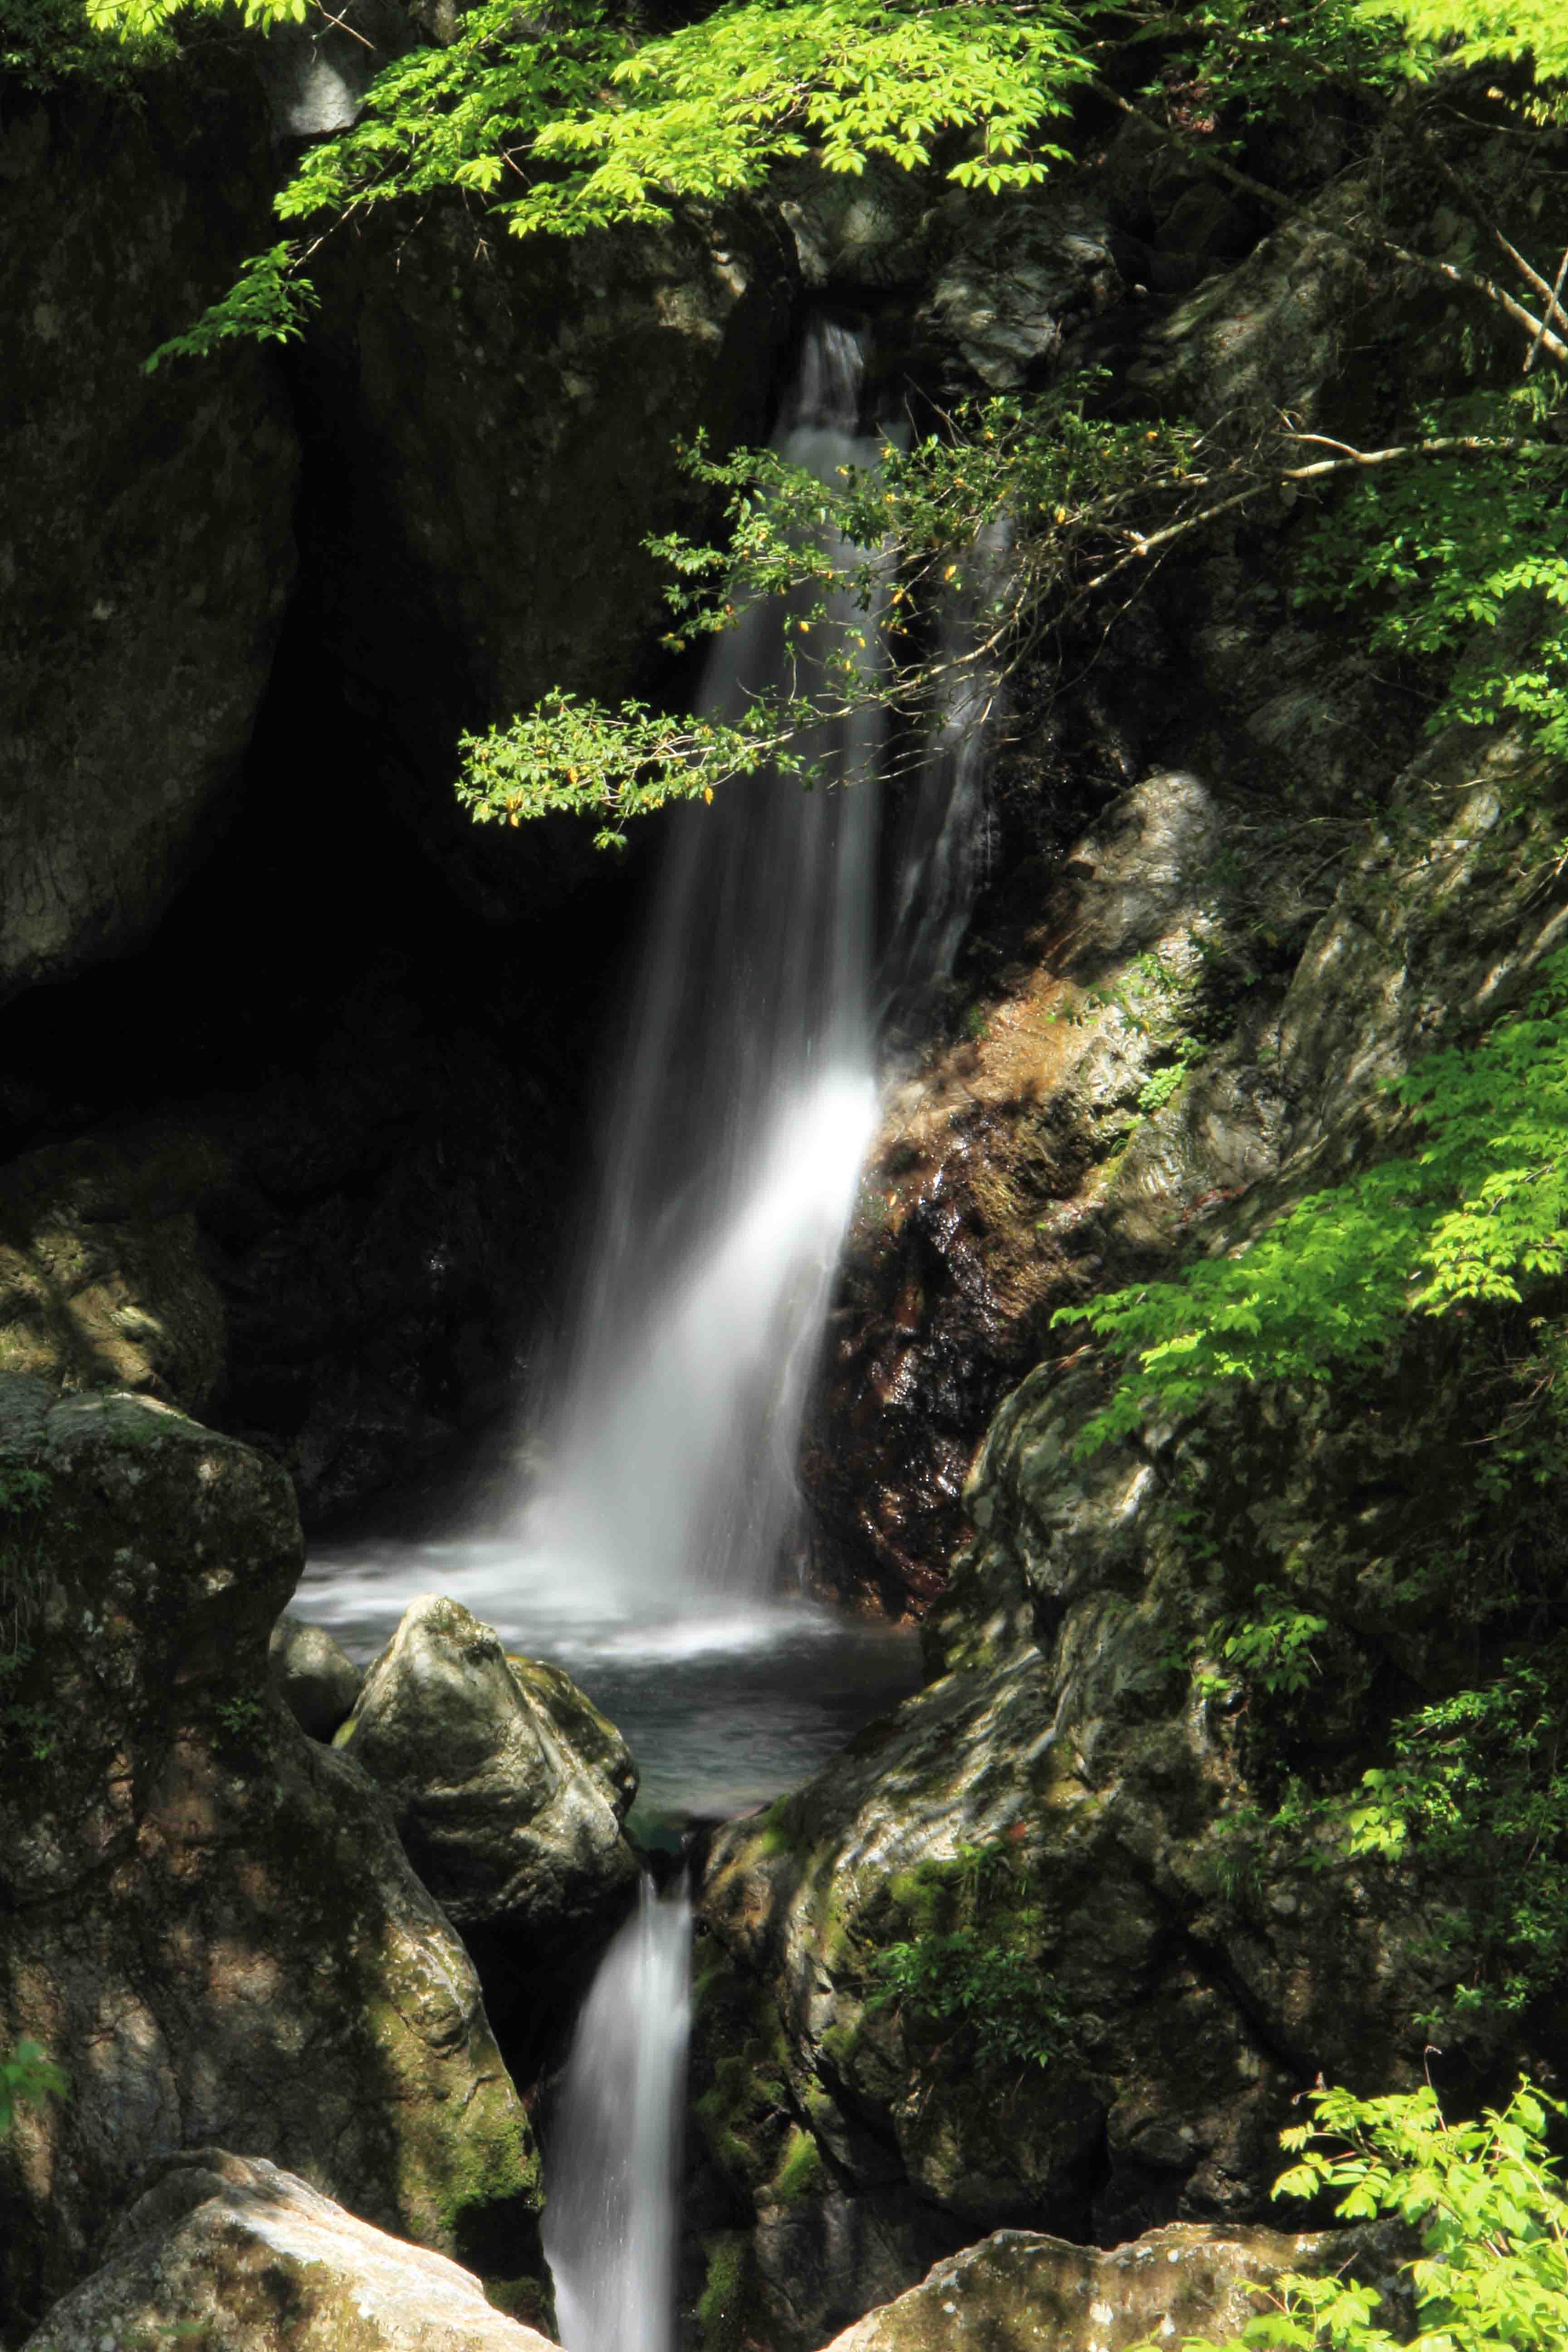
(294, 1084)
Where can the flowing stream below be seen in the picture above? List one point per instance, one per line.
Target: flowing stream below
(656, 1561)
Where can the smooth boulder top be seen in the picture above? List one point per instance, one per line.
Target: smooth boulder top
(1019, 2291)
(248, 2258)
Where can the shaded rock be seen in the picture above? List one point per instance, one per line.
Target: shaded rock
(1016, 280)
(209, 1917)
(249, 2257)
(317, 1679)
(141, 513)
(1271, 332)
(1017, 2290)
(498, 419)
(506, 1821)
(333, 1264)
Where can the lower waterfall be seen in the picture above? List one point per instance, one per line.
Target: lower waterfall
(615, 2157)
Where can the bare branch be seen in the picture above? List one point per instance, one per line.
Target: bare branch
(1555, 310)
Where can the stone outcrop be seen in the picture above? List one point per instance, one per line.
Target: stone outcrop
(146, 550)
(1178, 1988)
(251, 2259)
(1016, 2290)
(206, 1915)
(505, 1817)
(314, 1675)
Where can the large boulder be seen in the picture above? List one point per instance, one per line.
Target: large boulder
(147, 550)
(252, 2259)
(1016, 2289)
(208, 1917)
(507, 1819)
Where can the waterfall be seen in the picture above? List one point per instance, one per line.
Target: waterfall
(744, 1104)
(609, 2224)
(745, 1100)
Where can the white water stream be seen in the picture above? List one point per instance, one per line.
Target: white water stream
(651, 1563)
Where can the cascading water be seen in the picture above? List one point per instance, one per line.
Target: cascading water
(610, 2223)
(746, 1099)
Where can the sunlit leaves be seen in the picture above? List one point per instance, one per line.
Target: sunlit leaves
(1479, 1211)
(1486, 2198)
(269, 302)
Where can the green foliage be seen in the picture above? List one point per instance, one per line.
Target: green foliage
(240, 1717)
(46, 43)
(1480, 32)
(1478, 1213)
(1476, 1792)
(27, 2077)
(1239, 54)
(1464, 558)
(267, 303)
(1485, 2198)
(463, 115)
(1270, 1647)
(580, 756)
(982, 1972)
(566, 124)
(882, 544)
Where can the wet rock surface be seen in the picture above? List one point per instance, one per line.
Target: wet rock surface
(1057, 1789)
(250, 2256)
(206, 1915)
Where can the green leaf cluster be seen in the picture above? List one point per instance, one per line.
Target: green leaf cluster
(1481, 32)
(1488, 2204)
(28, 2076)
(1463, 559)
(974, 1963)
(1476, 1791)
(1476, 1213)
(46, 43)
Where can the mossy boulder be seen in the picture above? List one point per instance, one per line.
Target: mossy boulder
(204, 1914)
(507, 1821)
(252, 2259)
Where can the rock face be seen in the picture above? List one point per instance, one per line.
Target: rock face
(333, 1264)
(507, 1821)
(497, 421)
(247, 2256)
(206, 1915)
(146, 549)
(1016, 2290)
(1057, 1790)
